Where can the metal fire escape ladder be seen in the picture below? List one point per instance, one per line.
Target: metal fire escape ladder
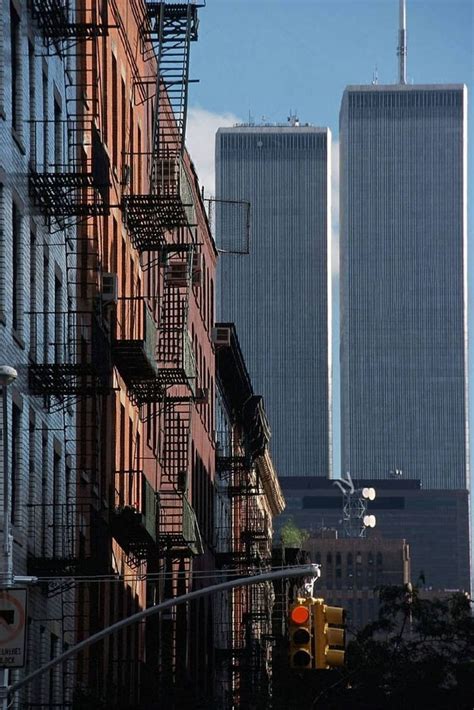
(175, 356)
(172, 28)
(168, 204)
(178, 530)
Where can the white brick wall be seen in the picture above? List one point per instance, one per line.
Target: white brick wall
(15, 346)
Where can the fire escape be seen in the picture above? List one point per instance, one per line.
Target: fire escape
(133, 522)
(167, 204)
(68, 183)
(162, 219)
(69, 348)
(248, 552)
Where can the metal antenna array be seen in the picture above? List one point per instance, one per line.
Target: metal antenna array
(355, 519)
(402, 44)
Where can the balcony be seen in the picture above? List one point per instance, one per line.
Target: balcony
(176, 357)
(54, 19)
(74, 182)
(150, 216)
(134, 350)
(133, 523)
(56, 534)
(69, 353)
(179, 532)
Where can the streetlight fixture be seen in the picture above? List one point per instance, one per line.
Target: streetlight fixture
(7, 376)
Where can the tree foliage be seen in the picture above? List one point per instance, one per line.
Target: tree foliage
(291, 535)
(418, 654)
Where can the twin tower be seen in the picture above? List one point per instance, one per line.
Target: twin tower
(402, 274)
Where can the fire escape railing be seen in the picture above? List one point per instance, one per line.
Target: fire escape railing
(69, 354)
(168, 202)
(134, 516)
(134, 338)
(59, 20)
(74, 181)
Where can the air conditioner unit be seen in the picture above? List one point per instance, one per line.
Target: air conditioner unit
(221, 336)
(197, 269)
(126, 170)
(109, 291)
(202, 395)
(177, 273)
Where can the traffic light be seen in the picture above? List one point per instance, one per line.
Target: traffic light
(329, 635)
(300, 626)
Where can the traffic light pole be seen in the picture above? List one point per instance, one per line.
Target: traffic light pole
(311, 570)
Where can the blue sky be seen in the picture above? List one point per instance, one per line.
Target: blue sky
(265, 58)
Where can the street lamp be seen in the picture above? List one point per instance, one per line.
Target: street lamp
(7, 376)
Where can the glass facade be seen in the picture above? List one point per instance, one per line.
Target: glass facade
(403, 283)
(278, 294)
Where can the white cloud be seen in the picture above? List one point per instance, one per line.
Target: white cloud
(335, 206)
(200, 142)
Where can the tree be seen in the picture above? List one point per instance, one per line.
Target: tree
(291, 535)
(418, 654)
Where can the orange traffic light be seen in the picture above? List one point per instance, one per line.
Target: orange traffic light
(301, 634)
(330, 635)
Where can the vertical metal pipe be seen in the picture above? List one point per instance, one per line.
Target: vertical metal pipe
(7, 565)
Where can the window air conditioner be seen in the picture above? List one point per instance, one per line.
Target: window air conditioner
(109, 288)
(221, 336)
(197, 269)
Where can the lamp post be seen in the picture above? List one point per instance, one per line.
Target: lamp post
(7, 376)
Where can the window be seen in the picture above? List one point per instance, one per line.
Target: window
(45, 306)
(44, 489)
(139, 149)
(33, 315)
(58, 138)
(32, 92)
(114, 112)
(16, 86)
(131, 156)
(45, 123)
(3, 264)
(53, 673)
(16, 269)
(15, 476)
(58, 321)
(56, 517)
(123, 113)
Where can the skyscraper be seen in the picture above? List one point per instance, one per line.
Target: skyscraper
(279, 294)
(403, 283)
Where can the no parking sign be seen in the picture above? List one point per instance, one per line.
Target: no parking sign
(12, 627)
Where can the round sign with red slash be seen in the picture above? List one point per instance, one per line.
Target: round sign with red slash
(11, 607)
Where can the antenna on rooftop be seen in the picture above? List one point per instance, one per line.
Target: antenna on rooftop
(402, 44)
(375, 76)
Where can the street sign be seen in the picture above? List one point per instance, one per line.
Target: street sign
(12, 627)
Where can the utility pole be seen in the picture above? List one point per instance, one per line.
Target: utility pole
(7, 376)
(8, 579)
(311, 570)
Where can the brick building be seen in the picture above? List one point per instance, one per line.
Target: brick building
(36, 255)
(108, 319)
(248, 497)
(352, 568)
